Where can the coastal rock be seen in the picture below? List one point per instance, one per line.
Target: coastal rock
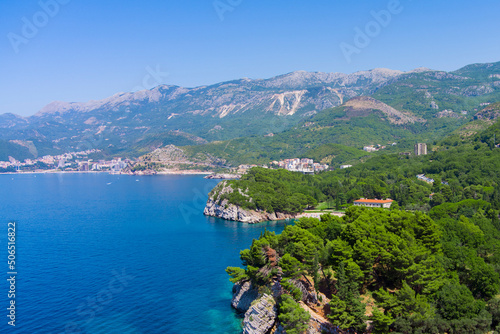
(261, 316)
(243, 296)
(218, 206)
(279, 329)
(317, 323)
(223, 176)
(309, 296)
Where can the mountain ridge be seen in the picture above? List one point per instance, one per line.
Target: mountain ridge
(297, 77)
(134, 122)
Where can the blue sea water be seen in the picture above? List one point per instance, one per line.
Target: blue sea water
(100, 253)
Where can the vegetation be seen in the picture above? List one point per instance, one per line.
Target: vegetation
(452, 164)
(238, 136)
(293, 317)
(426, 276)
(10, 149)
(330, 136)
(432, 268)
(271, 191)
(413, 93)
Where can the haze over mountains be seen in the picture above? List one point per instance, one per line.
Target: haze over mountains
(418, 101)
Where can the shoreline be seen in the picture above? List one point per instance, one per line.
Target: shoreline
(185, 172)
(319, 214)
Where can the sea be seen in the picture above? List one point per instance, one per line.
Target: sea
(101, 254)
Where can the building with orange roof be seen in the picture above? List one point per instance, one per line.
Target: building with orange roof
(374, 203)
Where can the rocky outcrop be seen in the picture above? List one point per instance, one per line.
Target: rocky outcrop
(309, 296)
(167, 154)
(261, 316)
(222, 176)
(218, 206)
(364, 103)
(244, 293)
(489, 113)
(228, 211)
(447, 113)
(317, 323)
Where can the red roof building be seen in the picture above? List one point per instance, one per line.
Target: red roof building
(374, 203)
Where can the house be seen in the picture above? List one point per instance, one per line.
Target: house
(374, 203)
(425, 178)
(370, 148)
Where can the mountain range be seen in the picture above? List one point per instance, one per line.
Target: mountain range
(422, 103)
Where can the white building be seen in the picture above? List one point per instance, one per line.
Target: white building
(374, 203)
(420, 149)
(369, 149)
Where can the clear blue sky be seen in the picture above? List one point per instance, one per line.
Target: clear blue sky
(91, 49)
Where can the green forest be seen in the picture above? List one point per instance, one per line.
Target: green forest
(430, 264)
(417, 273)
(454, 166)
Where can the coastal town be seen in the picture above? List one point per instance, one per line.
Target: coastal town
(67, 162)
(305, 165)
(81, 162)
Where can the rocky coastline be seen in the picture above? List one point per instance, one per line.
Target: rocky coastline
(219, 207)
(217, 176)
(233, 212)
(260, 314)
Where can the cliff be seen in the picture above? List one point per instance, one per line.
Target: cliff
(244, 294)
(219, 206)
(261, 310)
(223, 176)
(261, 316)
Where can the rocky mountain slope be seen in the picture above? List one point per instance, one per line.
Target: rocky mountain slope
(481, 121)
(211, 112)
(336, 136)
(366, 104)
(139, 122)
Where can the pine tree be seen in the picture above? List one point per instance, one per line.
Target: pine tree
(347, 310)
(292, 316)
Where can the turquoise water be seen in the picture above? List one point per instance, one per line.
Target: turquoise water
(99, 253)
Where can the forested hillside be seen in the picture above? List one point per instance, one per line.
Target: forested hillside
(250, 121)
(432, 268)
(335, 135)
(403, 272)
(460, 169)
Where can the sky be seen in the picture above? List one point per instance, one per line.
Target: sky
(76, 51)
